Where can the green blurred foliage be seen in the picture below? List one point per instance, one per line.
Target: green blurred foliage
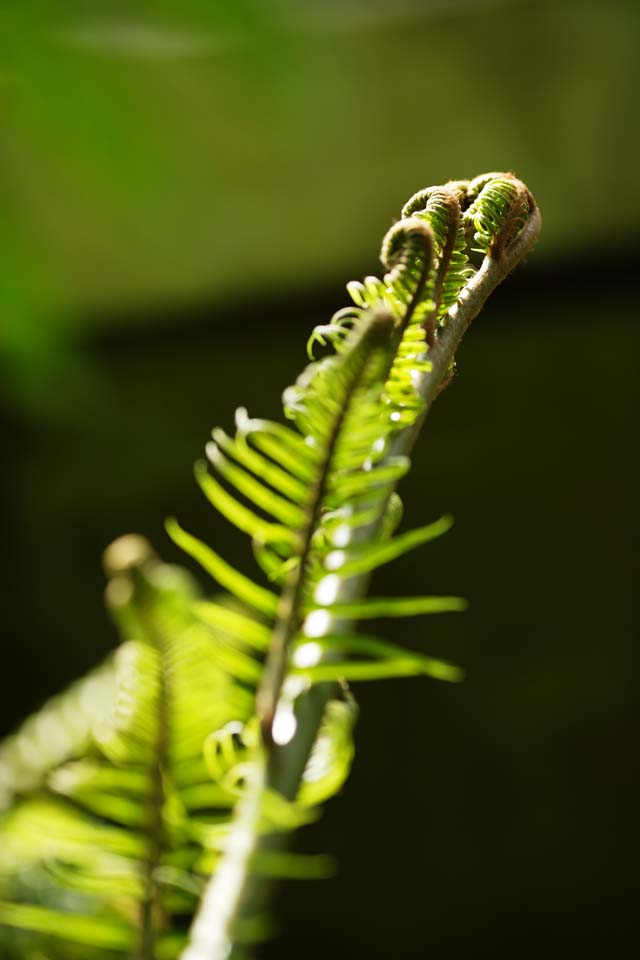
(171, 151)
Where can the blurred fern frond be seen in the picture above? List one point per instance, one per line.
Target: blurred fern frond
(123, 826)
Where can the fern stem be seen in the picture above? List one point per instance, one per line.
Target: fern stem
(223, 901)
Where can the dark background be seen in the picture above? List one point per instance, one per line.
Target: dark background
(186, 189)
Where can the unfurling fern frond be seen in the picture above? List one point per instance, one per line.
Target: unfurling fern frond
(233, 719)
(499, 206)
(325, 494)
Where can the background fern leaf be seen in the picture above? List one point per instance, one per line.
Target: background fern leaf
(119, 835)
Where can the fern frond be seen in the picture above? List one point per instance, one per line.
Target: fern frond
(123, 825)
(349, 449)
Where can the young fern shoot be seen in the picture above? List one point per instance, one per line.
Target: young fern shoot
(356, 415)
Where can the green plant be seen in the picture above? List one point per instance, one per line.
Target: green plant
(156, 828)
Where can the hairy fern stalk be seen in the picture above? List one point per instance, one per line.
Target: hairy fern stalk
(146, 811)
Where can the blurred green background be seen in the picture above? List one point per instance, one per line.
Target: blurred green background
(185, 188)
